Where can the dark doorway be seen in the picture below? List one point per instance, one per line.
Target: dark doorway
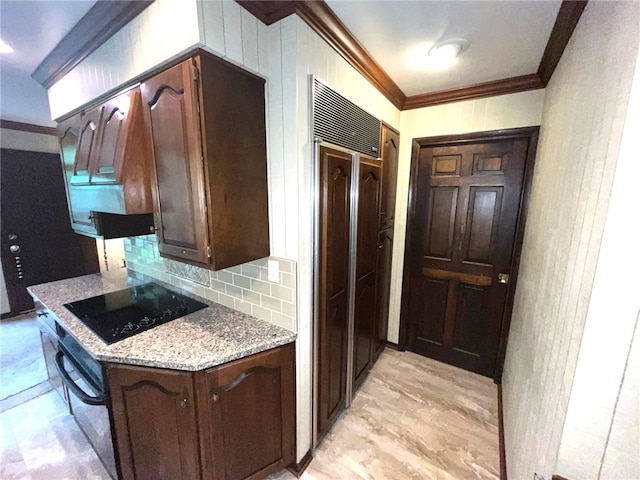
(36, 240)
(464, 234)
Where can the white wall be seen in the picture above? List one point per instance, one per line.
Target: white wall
(601, 435)
(583, 118)
(494, 113)
(163, 30)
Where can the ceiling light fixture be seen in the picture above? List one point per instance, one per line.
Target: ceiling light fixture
(4, 48)
(444, 54)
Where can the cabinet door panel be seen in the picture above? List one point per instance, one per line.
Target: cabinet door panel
(170, 101)
(68, 135)
(251, 426)
(390, 146)
(335, 202)
(114, 122)
(367, 248)
(87, 146)
(154, 419)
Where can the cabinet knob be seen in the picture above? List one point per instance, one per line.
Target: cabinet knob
(183, 403)
(214, 398)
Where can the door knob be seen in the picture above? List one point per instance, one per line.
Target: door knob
(503, 278)
(14, 248)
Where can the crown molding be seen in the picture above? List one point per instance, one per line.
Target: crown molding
(566, 21)
(99, 24)
(27, 127)
(325, 23)
(481, 90)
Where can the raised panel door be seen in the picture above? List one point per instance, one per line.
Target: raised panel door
(171, 105)
(249, 427)
(154, 416)
(88, 146)
(367, 250)
(463, 226)
(383, 286)
(390, 146)
(115, 125)
(335, 202)
(68, 133)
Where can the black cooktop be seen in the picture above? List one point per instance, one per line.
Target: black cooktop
(118, 315)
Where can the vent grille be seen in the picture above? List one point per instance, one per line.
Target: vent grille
(337, 120)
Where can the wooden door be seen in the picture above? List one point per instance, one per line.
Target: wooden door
(390, 145)
(462, 227)
(87, 146)
(335, 195)
(154, 417)
(36, 239)
(366, 253)
(68, 132)
(383, 286)
(248, 416)
(171, 105)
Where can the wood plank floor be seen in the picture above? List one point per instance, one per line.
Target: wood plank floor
(413, 418)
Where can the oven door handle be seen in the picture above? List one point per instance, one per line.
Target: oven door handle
(68, 381)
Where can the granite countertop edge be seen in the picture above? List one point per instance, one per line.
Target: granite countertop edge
(198, 341)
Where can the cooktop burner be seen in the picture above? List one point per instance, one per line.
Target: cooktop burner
(118, 315)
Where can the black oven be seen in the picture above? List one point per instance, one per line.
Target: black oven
(86, 380)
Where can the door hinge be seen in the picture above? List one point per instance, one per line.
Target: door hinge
(208, 251)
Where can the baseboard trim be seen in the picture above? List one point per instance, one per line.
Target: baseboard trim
(503, 454)
(298, 468)
(391, 345)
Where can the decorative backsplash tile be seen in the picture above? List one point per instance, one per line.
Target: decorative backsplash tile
(190, 272)
(245, 288)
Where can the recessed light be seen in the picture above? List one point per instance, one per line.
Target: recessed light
(4, 48)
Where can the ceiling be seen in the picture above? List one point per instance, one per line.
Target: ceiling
(506, 39)
(32, 28)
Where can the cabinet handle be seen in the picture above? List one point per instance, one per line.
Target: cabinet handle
(183, 403)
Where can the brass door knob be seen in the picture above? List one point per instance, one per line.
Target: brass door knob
(503, 278)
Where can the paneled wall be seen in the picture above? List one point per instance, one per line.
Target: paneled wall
(583, 119)
(494, 113)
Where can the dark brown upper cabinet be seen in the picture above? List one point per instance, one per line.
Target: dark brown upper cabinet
(390, 144)
(109, 169)
(81, 217)
(207, 124)
(87, 145)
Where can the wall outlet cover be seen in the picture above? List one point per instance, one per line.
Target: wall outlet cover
(274, 270)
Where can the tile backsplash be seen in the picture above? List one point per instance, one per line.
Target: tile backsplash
(245, 288)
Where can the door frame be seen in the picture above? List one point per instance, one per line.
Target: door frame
(529, 133)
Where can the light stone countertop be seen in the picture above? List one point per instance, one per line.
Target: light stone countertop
(203, 339)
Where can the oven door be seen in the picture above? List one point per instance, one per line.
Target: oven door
(88, 403)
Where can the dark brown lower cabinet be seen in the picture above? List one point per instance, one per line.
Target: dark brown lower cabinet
(231, 422)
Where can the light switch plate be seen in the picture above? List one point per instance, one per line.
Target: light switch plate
(274, 270)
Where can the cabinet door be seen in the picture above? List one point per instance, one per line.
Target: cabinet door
(365, 288)
(87, 146)
(171, 107)
(113, 124)
(250, 419)
(154, 419)
(390, 146)
(335, 202)
(383, 285)
(68, 135)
